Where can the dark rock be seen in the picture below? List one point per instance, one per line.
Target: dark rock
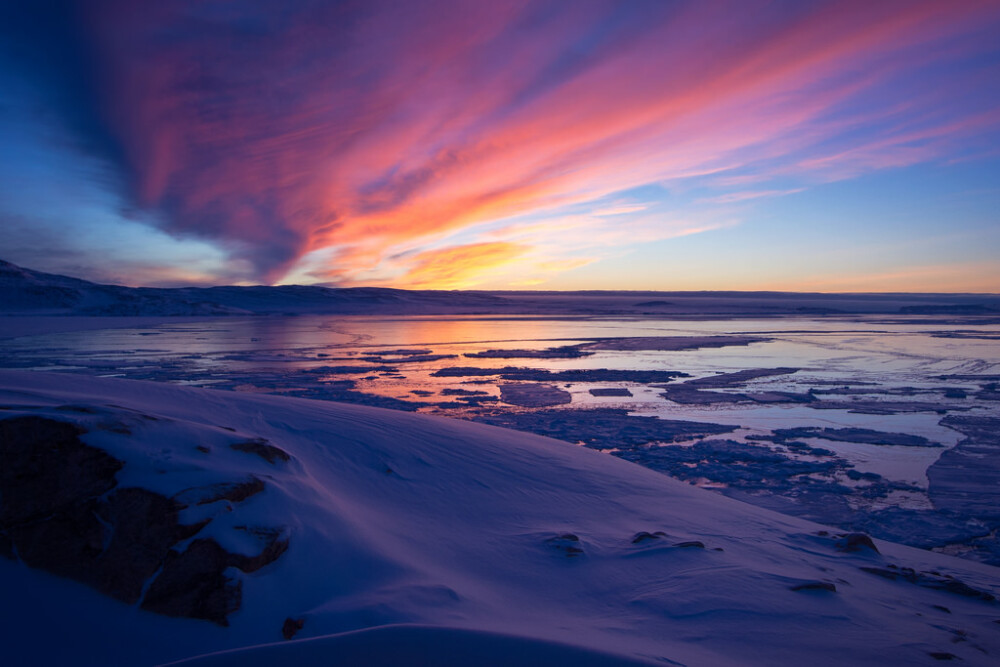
(46, 468)
(113, 545)
(951, 585)
(814, 586)
(61, 513)
(643, 536)
(66, 543)
(941, 608)
(694, 544)
(854, 542)
(892, 574)
(945, 583)
(273, 546)
(232, 491)
(146, 526)
(261, 448)
(193, 584)
(291, 627)
(568, 543)
(942, 655)
(79, 409)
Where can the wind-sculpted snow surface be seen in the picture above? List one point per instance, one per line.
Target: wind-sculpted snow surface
(411, 539)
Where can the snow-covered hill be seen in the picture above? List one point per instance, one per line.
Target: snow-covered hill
(23, 291)
(144, 523)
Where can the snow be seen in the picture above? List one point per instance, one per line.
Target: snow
(27, 292)
(423, 539)
(394, 645)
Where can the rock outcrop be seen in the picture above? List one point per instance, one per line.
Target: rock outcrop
(63, 510)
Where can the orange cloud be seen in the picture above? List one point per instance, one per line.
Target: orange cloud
(457, 267)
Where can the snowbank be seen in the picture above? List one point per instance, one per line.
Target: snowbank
(446, 541)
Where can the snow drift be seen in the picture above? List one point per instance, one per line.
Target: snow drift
(380, 537)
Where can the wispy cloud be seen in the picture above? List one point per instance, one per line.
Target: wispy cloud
(350, 141)
(746, 195)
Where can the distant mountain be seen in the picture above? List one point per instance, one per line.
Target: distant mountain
(23, 291)
(33, 292)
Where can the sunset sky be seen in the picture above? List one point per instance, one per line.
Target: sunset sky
(575, 144)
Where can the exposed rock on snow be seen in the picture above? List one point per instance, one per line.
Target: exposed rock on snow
(63, 510)
(261, 448)
(291, 626)
(855, 542)
(932, 580)
(814, 586)
(568, 544)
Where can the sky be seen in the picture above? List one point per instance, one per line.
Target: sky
(833, 146)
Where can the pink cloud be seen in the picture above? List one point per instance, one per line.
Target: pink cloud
(364, 130)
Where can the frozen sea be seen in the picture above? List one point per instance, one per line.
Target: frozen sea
(849, 431)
